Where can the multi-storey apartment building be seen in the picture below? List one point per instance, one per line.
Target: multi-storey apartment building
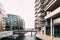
(2, 18)
(49, 22)
(11, 22)
(39, 14)
(14, 22)
(38, 18)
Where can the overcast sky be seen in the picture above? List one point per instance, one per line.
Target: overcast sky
(23, 8)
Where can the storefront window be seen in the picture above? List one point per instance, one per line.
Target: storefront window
(56, 31)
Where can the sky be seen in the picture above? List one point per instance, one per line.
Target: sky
(23, 8)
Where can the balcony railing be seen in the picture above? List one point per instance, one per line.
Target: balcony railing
(41, 6)
(41, 11)
(53, 14)
(36, 1)
(49, 4)
(41, 14)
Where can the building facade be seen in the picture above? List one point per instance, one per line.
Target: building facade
(39, 14)
(14, 22)
(52, 17)
(48, 12)
(2, 18)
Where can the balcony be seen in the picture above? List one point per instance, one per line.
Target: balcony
(36, 9)
(36, 1)
(42, 24)
(41, 14)
(41, 11)
(56, 21)
(41, 6)
(52, 5)
(53, 14)
(36, 13)
(47, 1)
(43, 1)
(42, 20)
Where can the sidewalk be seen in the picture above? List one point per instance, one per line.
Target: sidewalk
(6, 33)
(43, 37)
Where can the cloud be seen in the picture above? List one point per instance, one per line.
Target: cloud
(23, 8)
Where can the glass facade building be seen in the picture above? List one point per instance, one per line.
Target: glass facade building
(14, 22)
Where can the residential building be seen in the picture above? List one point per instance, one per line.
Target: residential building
(39, 14)
(14, 22)
(50, 21)
(11, 21)
(2, 18)
(22, 24)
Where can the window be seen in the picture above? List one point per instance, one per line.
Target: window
(57, 31)
(4, 20)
